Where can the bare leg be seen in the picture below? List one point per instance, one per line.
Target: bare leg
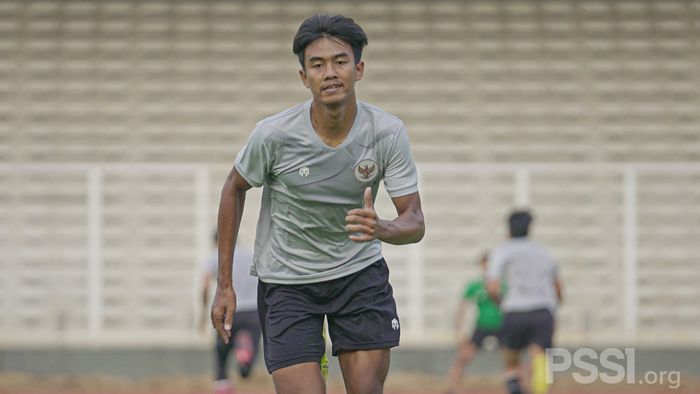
(302, 378)
(465, 354)
(525, 365)
(511, 358)
(364, 371)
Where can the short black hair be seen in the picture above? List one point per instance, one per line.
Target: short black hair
(519, 223)
(322, 25)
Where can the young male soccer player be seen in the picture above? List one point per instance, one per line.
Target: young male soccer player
(318, 242)
(534, 291)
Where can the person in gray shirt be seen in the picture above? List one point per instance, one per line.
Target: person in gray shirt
(246, 334)
(318, 241)
(534, 291)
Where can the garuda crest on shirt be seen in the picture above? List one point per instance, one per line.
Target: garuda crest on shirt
(366, 170)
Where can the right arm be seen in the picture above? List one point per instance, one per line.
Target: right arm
(230, 213)
(559, 291)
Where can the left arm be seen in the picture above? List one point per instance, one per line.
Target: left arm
(459, 318)
(364, 225)
(494, 273)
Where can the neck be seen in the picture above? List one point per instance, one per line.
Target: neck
(333, 124)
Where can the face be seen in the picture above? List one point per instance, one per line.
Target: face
(331, 71)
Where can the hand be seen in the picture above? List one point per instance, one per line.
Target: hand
(222, 310)
(363, 224)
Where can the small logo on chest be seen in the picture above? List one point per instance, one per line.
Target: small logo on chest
(304, 172)
(366, 170)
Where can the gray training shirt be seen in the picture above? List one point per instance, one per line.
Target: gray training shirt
(246, 286)
(309, 187)
(529, 272)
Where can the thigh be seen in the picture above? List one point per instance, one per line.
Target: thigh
(303, 378)
(364, 371)
(542, 329)
(292, 331)
(478, 337)
(515, 331)
(364, 315)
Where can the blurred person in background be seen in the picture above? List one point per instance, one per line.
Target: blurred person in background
(246, 332)
(318, 250)
(534, 292)
(488, 324)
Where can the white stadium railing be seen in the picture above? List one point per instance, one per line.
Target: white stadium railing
(108, 254)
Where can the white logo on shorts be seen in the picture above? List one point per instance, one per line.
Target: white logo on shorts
(395, 324)
(304, 172)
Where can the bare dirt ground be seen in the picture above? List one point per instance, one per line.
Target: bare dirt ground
(260, 383)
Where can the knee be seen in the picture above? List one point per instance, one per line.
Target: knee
(467, 351)
(463, 357)
(364, 372)
(365, 380)
(511, 358)
(299, 378)
(365, 385)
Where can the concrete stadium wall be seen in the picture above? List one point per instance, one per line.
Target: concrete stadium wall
(143, 363)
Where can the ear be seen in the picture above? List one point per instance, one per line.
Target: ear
(302, 75)
(359, 70)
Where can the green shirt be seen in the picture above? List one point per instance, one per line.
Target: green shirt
(489, 316)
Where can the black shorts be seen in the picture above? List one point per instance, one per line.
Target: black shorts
(481, 333)
(360, 309)
(521, 329)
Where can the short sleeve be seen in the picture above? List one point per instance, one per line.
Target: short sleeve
(400, 176)
(253, 161)
(470, 290)
(494, 270)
